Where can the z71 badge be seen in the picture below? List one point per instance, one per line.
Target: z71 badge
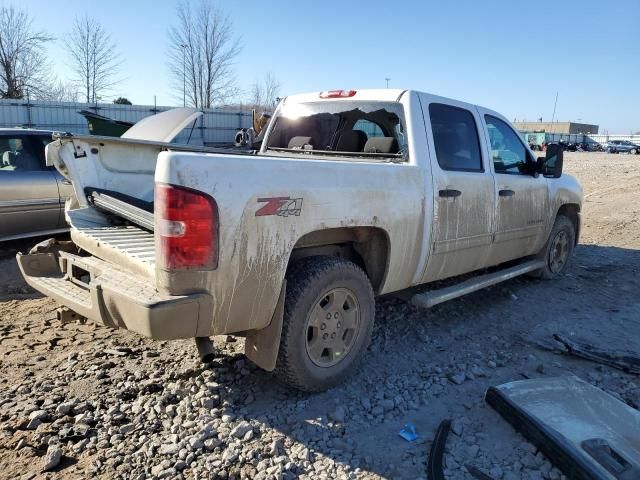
(282, 206)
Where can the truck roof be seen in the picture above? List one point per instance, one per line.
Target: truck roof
(381, 94)
(378, 94)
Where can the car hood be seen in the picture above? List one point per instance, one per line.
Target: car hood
(163, 127)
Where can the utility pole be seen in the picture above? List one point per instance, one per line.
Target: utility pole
(554, 108)
(387, 80)
(184, 74)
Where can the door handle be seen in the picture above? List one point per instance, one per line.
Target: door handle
(449, 193)
(66, 181)
(506, 193)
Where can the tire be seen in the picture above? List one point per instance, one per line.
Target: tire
(559, 246)
(307, 359)
(633, 151)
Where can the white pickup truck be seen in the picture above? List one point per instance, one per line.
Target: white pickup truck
(351, 195)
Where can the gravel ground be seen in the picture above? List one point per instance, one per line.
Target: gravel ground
(79, 400)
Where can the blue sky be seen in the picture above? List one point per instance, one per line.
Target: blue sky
(506, 55)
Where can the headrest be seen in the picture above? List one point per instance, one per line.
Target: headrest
(9, 158)
(301, 142)
(381, 145)
(351, 141)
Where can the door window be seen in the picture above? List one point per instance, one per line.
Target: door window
(507, 150)
(21, 153)
(455, 137)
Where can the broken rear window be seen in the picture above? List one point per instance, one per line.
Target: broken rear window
(353, 128)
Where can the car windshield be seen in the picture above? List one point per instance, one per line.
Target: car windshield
(345, 128)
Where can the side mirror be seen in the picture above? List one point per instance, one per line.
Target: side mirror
(553, 160)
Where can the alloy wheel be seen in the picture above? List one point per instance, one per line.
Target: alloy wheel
(332, 327)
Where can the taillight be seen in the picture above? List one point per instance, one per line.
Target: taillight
(186, 228)
(338, 94)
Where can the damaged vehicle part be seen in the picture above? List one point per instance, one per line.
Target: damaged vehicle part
(621, 359)
(582, 430)
(435, 470)
(476, 473)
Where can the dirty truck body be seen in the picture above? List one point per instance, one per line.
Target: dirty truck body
(353, 194)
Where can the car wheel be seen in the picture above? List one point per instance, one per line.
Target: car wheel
(633, 151)
(558, 249)
(328, 320)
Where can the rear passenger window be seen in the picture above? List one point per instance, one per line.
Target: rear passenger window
(24, 153)
(455, 136)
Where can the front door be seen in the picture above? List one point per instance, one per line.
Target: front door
(462, 187)
(522, 198)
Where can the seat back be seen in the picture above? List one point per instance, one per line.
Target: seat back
(381, 145)
(351, 141)
(301, 143)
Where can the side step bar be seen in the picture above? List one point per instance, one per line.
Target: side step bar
(433, 297)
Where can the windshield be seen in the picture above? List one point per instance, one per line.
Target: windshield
(358, 129)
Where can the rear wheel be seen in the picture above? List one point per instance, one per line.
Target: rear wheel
(633, 151)
(558, 249)
(327, 325)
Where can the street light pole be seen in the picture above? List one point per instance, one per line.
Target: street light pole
(184, 74)
(387, 80)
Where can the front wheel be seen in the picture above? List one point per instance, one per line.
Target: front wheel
(327, 324)
(633, 151)
(558, 249)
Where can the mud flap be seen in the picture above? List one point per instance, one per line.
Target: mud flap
(584, 431)
(262, 346)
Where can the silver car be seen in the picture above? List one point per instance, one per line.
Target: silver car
(32, 195)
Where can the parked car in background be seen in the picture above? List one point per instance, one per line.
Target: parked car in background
(32, 195)
(622, 146)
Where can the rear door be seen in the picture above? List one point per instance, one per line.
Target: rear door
(29, 198)
(462, 188)
(522, 198)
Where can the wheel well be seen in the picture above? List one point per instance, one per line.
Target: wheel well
(572, 212)
(367, 247)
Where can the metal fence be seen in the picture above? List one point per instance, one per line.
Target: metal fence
(215, 127)
(602, 139)
(539, 137)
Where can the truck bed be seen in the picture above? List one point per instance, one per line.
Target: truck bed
(127, 245)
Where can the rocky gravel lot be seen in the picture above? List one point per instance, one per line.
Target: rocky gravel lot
(83, 401)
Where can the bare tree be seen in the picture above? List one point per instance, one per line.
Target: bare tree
(60, 91)
(23, 65)
(94, 57)
(201, 54)
(264, 94)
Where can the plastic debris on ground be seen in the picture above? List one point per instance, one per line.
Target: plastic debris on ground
(409, 432)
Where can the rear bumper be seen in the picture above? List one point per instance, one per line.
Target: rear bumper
(117, 298)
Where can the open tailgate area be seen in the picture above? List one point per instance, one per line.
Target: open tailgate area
(112, 178)
(130, 246)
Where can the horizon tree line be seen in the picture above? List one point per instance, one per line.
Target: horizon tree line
(201, 54)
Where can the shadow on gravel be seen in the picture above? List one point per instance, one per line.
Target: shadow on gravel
(424, 366)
